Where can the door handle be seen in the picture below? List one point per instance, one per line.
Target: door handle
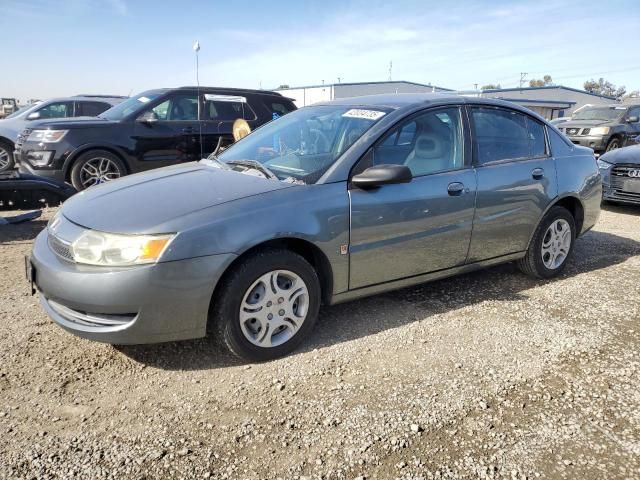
(455, 188)
(537, 173)
(187, 130)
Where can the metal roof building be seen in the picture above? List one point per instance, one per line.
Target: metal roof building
(550, 102)
(309, 95)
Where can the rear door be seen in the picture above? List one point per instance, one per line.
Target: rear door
(408, 229)
(516, 180)
(173, 136)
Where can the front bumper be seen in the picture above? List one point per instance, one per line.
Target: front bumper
(597, 143)
(619, 196)
(27, 153)
(134, 305)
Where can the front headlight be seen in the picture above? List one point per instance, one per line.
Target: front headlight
(599, 131)
(107, 249)
(48, 136)
(603, 165)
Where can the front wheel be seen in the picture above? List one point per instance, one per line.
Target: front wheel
(95, 167)
(268, 305)
(6, 157)
(551, 246)
(613, 144)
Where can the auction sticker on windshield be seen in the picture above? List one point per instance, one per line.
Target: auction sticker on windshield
(364, 114)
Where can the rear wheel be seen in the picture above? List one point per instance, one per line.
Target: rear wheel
(95, 167)
(268, 305)
(551, 246)
(6, 157)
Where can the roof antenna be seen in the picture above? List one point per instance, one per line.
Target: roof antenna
(196, 48)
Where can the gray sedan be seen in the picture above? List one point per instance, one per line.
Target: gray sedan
(329, 203)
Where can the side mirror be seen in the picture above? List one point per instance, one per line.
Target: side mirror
(633, 119)
(33, 116)
(148, 117)
(379, 175)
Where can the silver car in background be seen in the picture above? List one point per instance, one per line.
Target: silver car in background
(329, 203)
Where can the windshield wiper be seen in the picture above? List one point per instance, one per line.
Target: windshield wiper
(255, 165)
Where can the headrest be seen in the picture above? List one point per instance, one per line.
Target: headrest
(429, 145)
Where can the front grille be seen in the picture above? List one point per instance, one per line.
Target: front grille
(22, 137)
(572, 131)
(585, 131)
(621, 176)
(627, 171)
(60, 248)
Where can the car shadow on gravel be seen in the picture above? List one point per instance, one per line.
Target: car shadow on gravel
(21, 232)
(368, 316)
(622, 208)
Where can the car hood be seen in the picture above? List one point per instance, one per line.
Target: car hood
(75, 122)
(586, 123)
(140, 203)
(627, 155)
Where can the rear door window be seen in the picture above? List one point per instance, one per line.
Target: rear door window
(537, 141)
(223, 110)
(500, 134)
(91, 109)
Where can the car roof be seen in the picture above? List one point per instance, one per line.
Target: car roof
(230, 89)
(398, 101)
(96, 98)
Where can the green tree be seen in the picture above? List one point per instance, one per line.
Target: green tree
(491, 86)
(604, 87)
(544, 82)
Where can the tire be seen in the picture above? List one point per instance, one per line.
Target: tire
(539, 263)
(243, 294)
(613, 144)
(6, 156)
(106, 167)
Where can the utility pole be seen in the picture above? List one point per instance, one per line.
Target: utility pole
(338, 79)
(390, 69)
(475, 86)
(523, 75)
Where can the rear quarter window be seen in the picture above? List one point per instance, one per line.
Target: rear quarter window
(280, 108)
(560, 146)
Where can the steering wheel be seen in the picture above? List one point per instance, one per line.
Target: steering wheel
(319, 137)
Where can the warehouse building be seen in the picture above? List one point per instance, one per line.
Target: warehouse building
(303, 96)
(549, 102)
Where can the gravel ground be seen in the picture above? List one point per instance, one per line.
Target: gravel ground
(487, 375)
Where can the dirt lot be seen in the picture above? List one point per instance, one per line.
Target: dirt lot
(489, 375)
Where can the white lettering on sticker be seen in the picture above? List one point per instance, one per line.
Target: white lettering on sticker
(143, 99)
(364, 114)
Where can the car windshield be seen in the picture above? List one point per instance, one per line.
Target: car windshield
(129, 106)
(22, 110)
(302, 145)
(609, 113)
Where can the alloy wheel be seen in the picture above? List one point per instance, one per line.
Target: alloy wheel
(99, 170)
(274, 308)
(556, 244)
(5, 159)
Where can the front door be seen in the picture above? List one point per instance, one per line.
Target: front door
(173, 136)
(403, 230)
(516, 181)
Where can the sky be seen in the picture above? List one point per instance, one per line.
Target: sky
(65, 47)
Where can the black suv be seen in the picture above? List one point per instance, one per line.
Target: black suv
(604, 128)
(154, 129)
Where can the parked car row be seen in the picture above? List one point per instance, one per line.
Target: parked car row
(604, 128)
(153, 129)
(77, 106)
(329, 203)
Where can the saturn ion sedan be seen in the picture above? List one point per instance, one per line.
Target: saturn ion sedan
(329, 203)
